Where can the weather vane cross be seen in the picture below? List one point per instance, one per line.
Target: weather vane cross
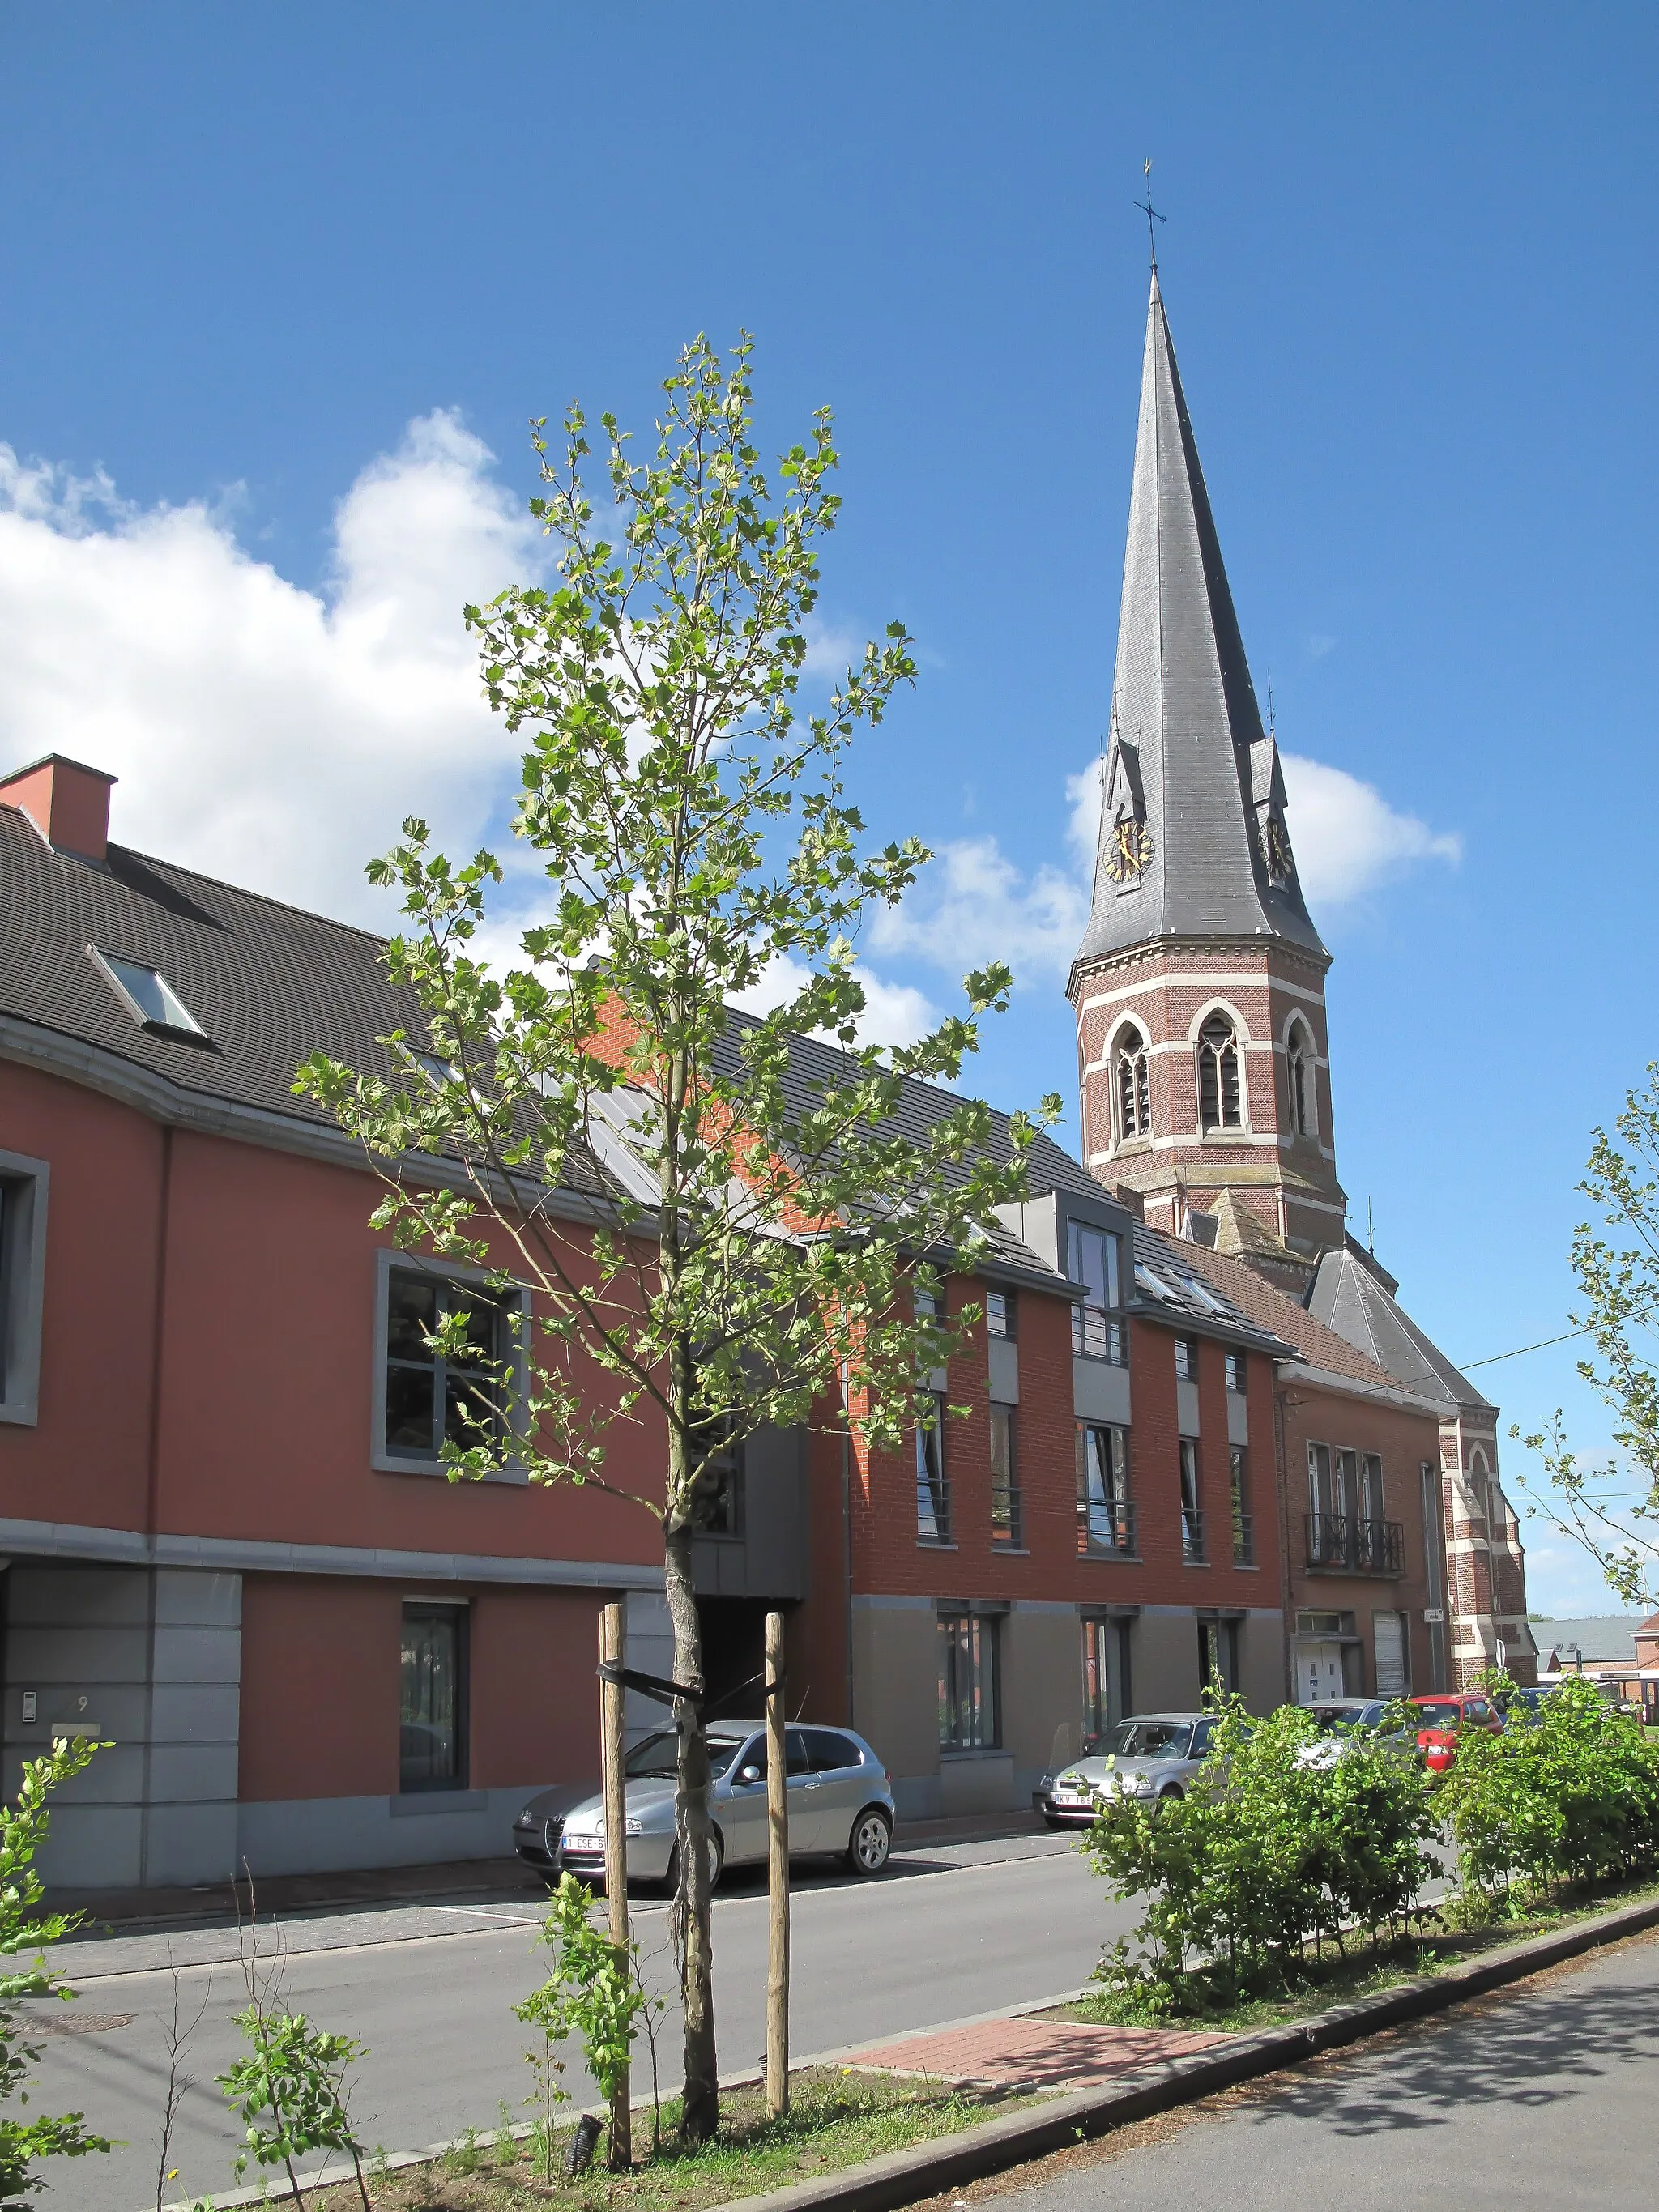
(1150, 212)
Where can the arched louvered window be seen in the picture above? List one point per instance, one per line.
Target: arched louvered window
(1299, 1065)
(1219, 1095)
(1134, 1101)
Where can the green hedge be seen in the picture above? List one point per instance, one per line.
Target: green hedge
(1569, 1796)
(1282, 1839)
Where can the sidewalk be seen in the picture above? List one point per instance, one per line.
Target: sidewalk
(502, 1877)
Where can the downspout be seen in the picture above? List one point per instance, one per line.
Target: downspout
(153, 1488)
(1282, 1483)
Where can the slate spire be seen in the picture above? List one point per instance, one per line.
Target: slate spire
(1193, 840)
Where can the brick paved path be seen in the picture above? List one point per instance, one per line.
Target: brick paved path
(1044, 2053)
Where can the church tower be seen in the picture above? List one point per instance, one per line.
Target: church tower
(1199, 986)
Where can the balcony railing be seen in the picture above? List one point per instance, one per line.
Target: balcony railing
(1339, 1542)
(1192, 1533)
(1243, 1539)
(1106, 1528)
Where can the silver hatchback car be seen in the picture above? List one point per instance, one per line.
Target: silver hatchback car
(841, 1803)
(1152, 1755)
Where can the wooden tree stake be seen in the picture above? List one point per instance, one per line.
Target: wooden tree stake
(613, 1639)
(777, 1870)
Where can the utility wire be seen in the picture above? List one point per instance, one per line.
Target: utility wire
(1464, 1365)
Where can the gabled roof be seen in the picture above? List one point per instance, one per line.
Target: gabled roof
(1348, 1297)
(1185, 722)
(268, 984)
(1305, 1336)
(1171, 1286)
(1607, 1639)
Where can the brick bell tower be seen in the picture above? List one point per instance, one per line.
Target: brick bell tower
(1199, 986)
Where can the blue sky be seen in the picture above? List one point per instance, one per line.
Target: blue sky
(244, 251)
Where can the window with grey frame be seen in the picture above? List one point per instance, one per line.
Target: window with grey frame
(970, 1703)
(932, 1484)
(1007, 1518)
(1001, 1315)
(429, 1397)
(1098, 1330)
(1107, 1694)
(720, 1485)
(1218, 1656)
(432, 1737)
(1238, 1498)
(23, 1184)
(1192, 1509)
(1186, 1359)
(1105, 1514)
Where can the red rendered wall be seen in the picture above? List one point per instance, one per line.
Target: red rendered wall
(320, 1701)
(88, 1460)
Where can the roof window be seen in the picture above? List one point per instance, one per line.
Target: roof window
(147, 995)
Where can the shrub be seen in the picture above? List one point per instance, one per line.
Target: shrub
(1570, 1795)
(1285, 1835)
(23, 1827)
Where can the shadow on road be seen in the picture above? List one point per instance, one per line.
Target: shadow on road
(1530, 2051)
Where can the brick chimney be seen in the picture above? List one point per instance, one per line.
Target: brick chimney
(67, 802)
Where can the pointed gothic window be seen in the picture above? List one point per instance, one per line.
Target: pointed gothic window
(1134, 1104)
(1218, 1075)
(1299, 1065)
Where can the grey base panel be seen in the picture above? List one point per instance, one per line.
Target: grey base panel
(340, 1835)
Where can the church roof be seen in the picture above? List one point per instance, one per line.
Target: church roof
(1348, 1298)
(1188, 754)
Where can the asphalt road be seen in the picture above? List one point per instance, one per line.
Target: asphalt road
(942, 1935)
(1542, 2096)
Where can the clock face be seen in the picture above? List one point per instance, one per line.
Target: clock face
(1129, 850)
(1279, 851)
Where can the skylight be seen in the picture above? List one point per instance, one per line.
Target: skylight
(147, 995)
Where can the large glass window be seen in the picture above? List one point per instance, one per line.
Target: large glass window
(1097, 1329)
(933, 1485)
(431, 1735)
(1192, 1511)
(1105, 1517)
(1106, 1692)
(969, 1716)
(1005, 1515)
(1218, 1655)
(999, 1314)
(429, 1397)
(1239, 1502)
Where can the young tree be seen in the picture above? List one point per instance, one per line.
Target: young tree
(743, 1260)
(1618, 1276)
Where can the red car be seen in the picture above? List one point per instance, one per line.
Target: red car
(1439, 1720)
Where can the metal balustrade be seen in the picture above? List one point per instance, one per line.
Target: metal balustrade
(1106, 1527)
(1342, 1542)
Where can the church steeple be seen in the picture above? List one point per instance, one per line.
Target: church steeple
(1199, 985)
(1193, 840)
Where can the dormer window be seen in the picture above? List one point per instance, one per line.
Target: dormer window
(1134, 1106)
(147, 996)
(1219, 1089)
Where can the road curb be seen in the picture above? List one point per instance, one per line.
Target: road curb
(905, 2176)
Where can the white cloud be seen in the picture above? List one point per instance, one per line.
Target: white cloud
(894, 1013)
(1348, 839)
(972, 905)
(268, 734)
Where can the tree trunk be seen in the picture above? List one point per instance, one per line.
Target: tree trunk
(700, 2111)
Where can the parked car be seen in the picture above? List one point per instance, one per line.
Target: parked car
(841, 1804)
(1520, 1707)
(1440, 1719)
(1337, 1718)
(1150, 1755)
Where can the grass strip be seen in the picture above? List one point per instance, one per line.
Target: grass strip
(837, 2117)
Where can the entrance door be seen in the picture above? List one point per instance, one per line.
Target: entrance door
(1318, 1673)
